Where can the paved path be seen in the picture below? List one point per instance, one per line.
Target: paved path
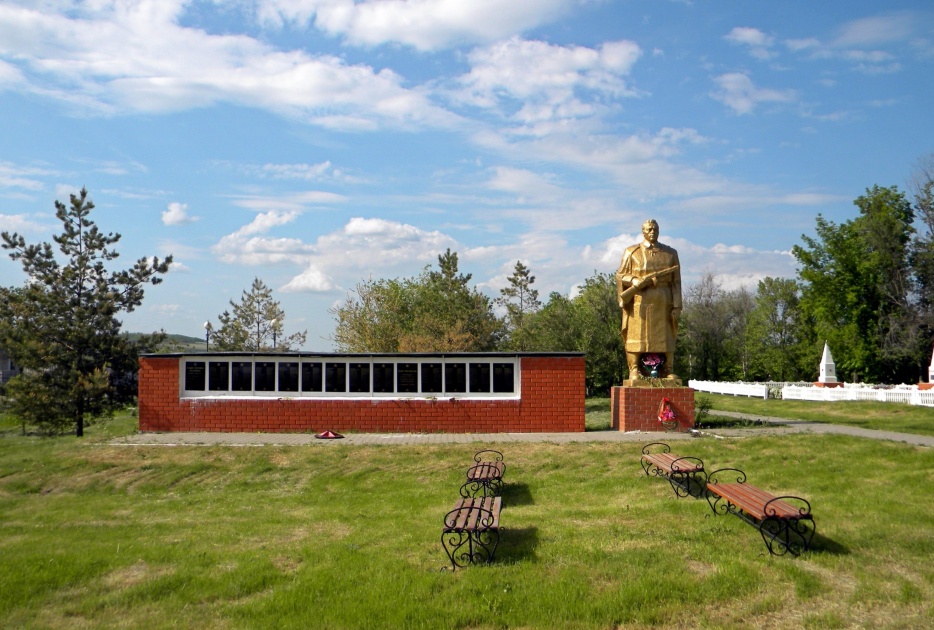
(782, 426)
(806, 426)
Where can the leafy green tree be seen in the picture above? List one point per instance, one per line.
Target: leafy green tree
(437, 311)
(857, 285)
(520, 300)
(589, 323)
(555, 327)
(777, 330)
(599, 322)
(256, 324)
(922, 259)
(62, 326)
(375, 318)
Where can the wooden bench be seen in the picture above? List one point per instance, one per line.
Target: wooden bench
(785, 527)
(485, 476)
(471, 531)
(685, 474)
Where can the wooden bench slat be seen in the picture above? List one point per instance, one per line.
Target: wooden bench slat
(471, 514)
(753, 500)
(666, 461)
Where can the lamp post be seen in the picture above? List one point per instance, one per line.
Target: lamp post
(207, 336)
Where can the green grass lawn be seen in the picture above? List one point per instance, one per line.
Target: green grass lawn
(339, 536)
(868, 415)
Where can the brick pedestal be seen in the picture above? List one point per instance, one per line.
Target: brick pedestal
(636, 408)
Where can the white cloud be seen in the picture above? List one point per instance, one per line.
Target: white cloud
(177, 214)
(297, 171)
(759, 44)
(311, 280)
(739, 93)
(290, 202)
(544, 81)
(876, 30)
(12, 176)
(122, 56)
(422, 24)
(19, 223)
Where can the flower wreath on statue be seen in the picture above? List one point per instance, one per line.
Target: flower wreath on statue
(666, 414)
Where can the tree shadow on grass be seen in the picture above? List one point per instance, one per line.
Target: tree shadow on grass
(516, 494)
(517, 545)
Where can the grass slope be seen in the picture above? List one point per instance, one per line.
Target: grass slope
(335, 536)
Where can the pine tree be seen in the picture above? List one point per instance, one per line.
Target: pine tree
(62, 326)
(255, 324)
(520, 300)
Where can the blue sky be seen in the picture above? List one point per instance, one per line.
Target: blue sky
(317, 143)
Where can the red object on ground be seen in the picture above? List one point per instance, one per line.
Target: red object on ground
(329, 435)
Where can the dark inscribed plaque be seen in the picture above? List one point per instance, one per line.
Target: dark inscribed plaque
(335, 377)
(242, 380)
(359, 377)
(407, 378)
(218, 376)
(383, 377)
(265, 376)
(288, 377)
(504, 378)
(194, 376)
(432, 378)
(312, 377)
(455, 378)
(479, 377)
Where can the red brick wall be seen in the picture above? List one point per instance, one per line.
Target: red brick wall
(552, 401)
(636, 408)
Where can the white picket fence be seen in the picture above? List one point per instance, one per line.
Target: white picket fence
(753, 390)
(905, 394)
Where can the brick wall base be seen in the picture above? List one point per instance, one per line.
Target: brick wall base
(552, 402)
(636, 408)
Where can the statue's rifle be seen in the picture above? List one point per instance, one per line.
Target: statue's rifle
(628, 293)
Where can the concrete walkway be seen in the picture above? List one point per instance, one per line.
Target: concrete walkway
(781, 426)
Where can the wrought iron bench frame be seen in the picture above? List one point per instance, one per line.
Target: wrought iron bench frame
(685, 474)
(485, 476)
(471, 531)
(785, 528)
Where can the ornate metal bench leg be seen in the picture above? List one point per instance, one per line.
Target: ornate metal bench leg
(464, 548)
(452, 543)
(783, 536)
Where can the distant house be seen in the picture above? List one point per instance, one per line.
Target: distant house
(7, 368)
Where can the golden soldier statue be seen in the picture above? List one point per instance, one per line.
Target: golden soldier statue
(648, 284)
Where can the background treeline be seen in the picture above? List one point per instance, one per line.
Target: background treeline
(865, 286)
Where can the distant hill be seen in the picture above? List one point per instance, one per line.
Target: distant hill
(175, 343)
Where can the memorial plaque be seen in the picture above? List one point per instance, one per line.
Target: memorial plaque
(407, 378)
(335, 377)
(288, 377)
(455, 378)
(479, 377)
(194, 376)
(312, 377)
(504, 378)
(383, 377)
(218, 376)
(265, 376)
(432, 378)
(242, 373)
(359, 377)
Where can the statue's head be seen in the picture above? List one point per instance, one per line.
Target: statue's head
(650, 230)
